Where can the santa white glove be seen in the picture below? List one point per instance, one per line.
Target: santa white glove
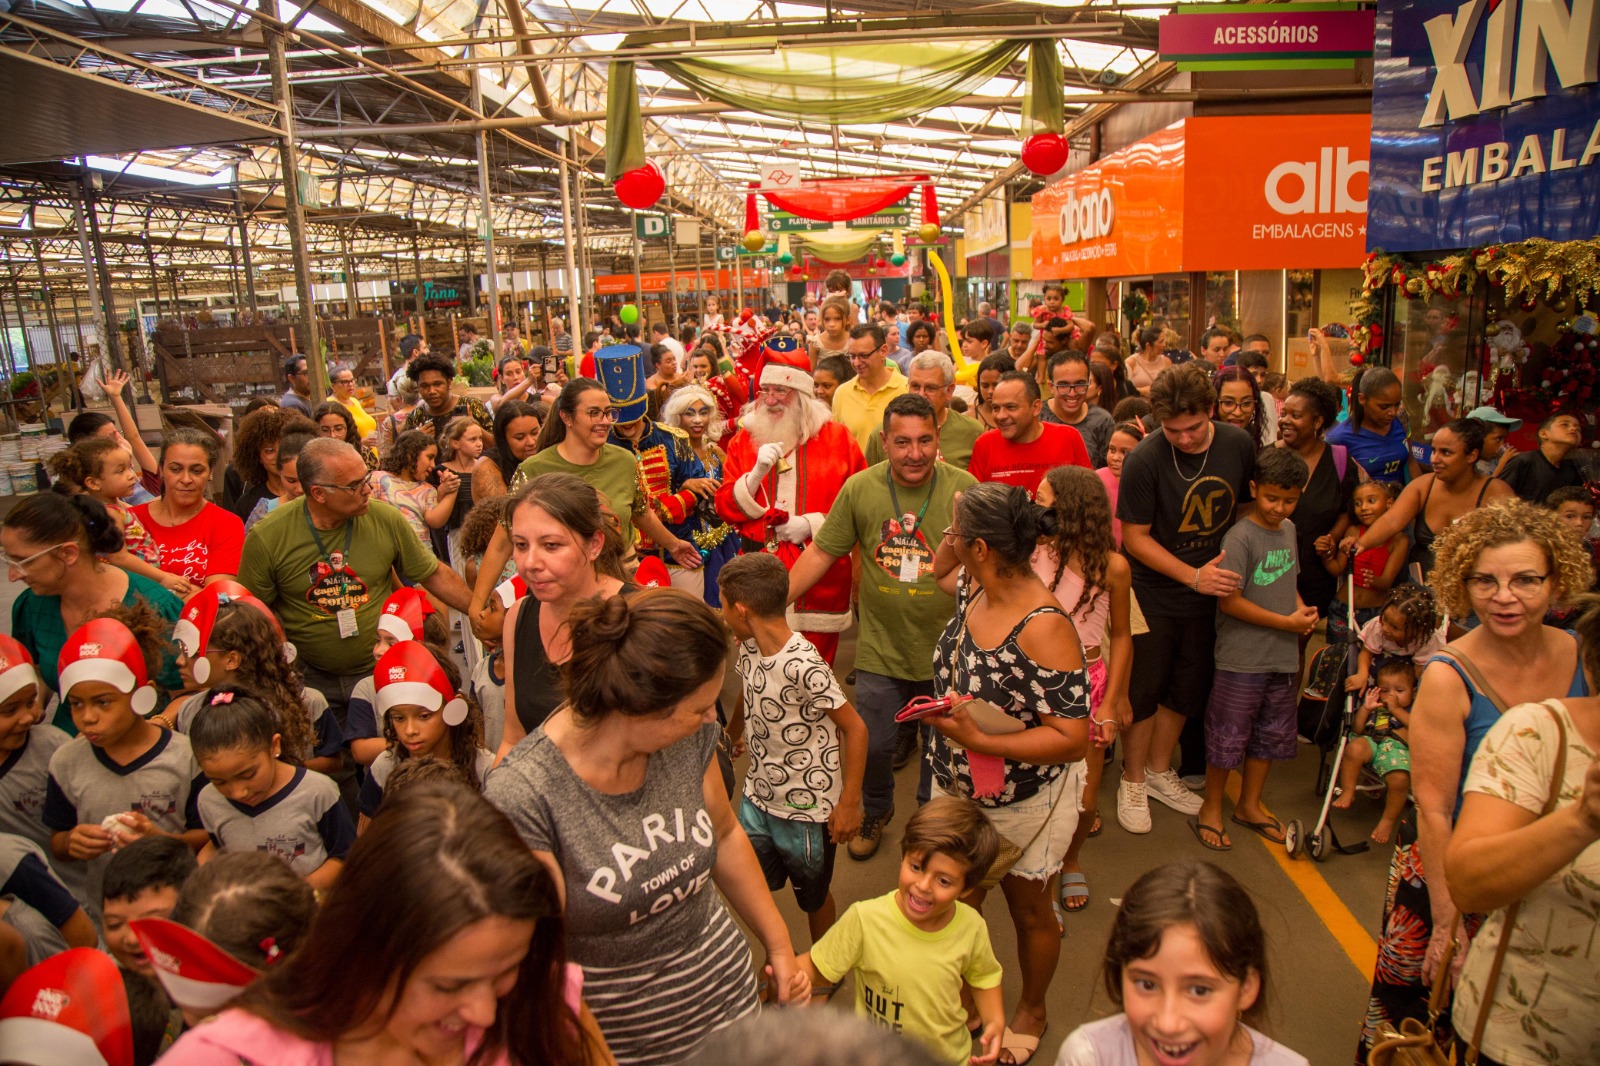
(767, 457)
(796, 530)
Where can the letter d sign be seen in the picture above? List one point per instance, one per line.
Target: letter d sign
(648, 226)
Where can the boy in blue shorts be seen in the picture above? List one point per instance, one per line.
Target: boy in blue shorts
(1251, 717)
(808, 746)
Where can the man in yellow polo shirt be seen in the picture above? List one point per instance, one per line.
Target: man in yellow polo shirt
(858, 404)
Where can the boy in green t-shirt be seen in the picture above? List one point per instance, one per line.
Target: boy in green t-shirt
(914, 949)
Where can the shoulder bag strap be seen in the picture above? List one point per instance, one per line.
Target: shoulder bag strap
(1479, 682)
(1557, 778)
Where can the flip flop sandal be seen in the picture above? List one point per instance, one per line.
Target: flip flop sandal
(1261, 829)
(1021, 1045)
(1094, 830)
(1074, 886)
(1201, 830)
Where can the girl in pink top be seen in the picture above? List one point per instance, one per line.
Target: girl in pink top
(1124, 438)
(1081, 565)
(463, 961)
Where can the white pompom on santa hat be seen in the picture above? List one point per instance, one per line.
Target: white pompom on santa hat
(16, 668)
(192, 630)
(195, 973)
(71, 1008)
(409, 676)
(104, 650)
(788, 367)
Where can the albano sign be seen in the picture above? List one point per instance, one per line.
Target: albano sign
(1249, 192)
(1485, 123)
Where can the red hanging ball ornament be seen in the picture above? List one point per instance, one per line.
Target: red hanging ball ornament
(640, 188)
(881, 263)
(1356, 359)
(1045, 153)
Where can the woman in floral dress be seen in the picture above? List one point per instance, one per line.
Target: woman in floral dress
(1012, 647)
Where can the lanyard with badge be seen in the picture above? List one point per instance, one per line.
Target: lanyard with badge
(346, 616)
(910, 561)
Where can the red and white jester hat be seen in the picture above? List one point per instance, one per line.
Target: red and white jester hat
(403, 613)
(71, 1008)
(195, 973)
(16, 668)
(193, 628)
(409, 675)
(103, 650)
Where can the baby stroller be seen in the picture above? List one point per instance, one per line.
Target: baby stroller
(1327, 716)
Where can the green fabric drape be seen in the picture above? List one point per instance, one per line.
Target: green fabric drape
(843, 84)
(624, 126)
(1043, 101)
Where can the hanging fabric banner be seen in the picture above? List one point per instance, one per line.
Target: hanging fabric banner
(838, 246)
(1043, 100)
(840, 84)
(624, 126)
(841, 199)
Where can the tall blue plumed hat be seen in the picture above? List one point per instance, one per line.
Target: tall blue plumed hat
(620, 369)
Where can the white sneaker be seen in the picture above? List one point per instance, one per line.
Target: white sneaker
(1166, 787)
(1197, 782)
(1133, 809)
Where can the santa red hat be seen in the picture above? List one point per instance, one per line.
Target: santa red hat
(788, 366)
(71, 1008)
(195, 973)
(652, 574)
(511, 590)
(403, 613)
(104, 650)
(408, 675)
(16, 668)
(193, 628)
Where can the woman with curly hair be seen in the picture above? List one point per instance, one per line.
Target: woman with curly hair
(1080, 563)
(252, 473)
(694, 410)
(335, 420)
(1506, 564)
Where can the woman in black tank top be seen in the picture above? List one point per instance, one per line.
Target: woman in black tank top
(565, 552)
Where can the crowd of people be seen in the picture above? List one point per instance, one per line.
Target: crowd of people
(403, 738)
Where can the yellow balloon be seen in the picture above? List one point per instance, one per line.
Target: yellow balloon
(966, 372)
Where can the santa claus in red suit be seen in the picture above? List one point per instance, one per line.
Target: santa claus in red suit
(785, 467)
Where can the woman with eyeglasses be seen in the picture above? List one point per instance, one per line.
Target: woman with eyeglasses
(1239, 403)
(343, 381)
(1453, 489)
(1505, 563)
(334, 420)
(53, 544)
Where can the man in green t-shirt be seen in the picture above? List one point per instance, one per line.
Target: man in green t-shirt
(933, 377)
(895, 512)
(326, 562)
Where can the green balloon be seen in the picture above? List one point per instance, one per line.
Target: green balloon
(629, 314)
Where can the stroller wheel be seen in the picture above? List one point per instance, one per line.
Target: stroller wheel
(1319, 843)
(1294, 838)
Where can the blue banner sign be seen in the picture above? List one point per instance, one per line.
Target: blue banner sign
(1485, 123)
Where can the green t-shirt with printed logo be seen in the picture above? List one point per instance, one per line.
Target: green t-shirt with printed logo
(1266, 560)
(903, 610)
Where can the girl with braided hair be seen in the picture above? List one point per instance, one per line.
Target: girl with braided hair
(1408, 627)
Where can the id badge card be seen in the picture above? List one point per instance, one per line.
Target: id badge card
(910, 567)
(347, 622)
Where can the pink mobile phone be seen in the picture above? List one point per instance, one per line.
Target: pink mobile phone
(924, 707)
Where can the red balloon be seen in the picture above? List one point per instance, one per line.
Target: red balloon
(882, 263)
(640, 188)
(1045, 153)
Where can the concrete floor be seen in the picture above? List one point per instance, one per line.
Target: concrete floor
(1318, 995)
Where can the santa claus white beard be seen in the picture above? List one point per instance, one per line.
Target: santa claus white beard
(791, 426)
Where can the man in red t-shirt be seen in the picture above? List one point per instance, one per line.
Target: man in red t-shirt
(1021, 449)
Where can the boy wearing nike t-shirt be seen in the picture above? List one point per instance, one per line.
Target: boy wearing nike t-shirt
(1250, 719)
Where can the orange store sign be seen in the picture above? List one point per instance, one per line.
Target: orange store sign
(1247, 193)
(688, 281)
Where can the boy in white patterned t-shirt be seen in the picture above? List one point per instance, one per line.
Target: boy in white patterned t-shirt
(808, 746)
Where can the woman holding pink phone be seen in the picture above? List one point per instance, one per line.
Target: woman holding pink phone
(1017, 732)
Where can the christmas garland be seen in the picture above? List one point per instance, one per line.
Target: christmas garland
(1565, 274)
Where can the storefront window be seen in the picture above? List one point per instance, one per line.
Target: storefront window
(1429, 348)
(1169, 302)
(1298, 293)
(1222, 306)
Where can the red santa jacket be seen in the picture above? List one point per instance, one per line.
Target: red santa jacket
(820, 466)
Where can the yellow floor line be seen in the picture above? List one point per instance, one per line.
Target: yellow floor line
(1351, 935)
